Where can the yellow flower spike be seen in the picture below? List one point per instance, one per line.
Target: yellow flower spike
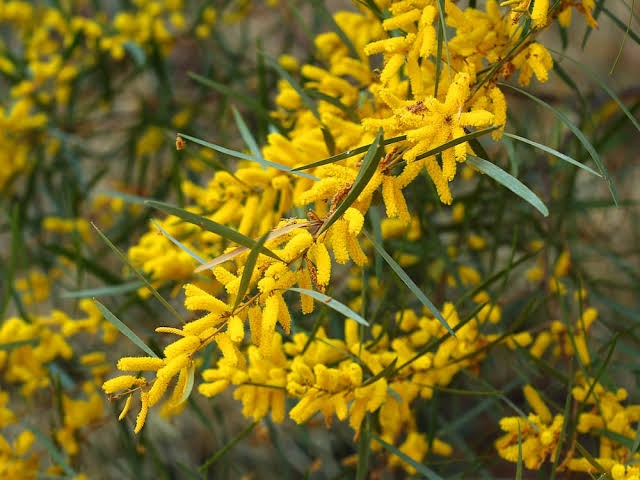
(269, 319)
(142, 416)
(284, 318)
(403, 21)
(175, 331)
(198, 299)
(540, 345)
(323, 263)
(122, 382)
(355, 220)
(214, 388)
(255, 324)
(125, 409)
(304, 281)
(391, 68)
(235, 329)
(355, 251)
(138, 364)
(339, 241)
(538, 405)
(188, 344)
(539, 13)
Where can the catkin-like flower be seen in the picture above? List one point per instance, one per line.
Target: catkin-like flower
(121, 383)
(538, 405)
(142, 415)
(138, 364)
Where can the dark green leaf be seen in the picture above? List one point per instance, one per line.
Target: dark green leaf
(512, 183)
(248, 270)
(126, 331)
(369, 165)
(576, 131)
(333, 303)
(244, 156)
(550, 150)
(211, 226)
(408, 282)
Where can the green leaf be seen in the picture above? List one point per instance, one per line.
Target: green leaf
(18, 343)
(420, 468)
(136, 52)
(456, 141)
(103, 291)
(306, 99)
(228, 446)
(512, 183)
(227, 92)
(348, 153)
(211, 226)
(576, 131)
(364, 449)
(333, 303)
(408, 282)
(443, 25)
(550, 150)
(320, 6)
(244, 156)
(369, 165)
(48, 445)
(350, 112)
(177, 243)
(604, 86)
(189, 386)
(248, 138)
(248, 270)
(13, 258)
(126, 331)
(144, 280)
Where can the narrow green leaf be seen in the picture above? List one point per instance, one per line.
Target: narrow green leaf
(189, 386)
(350, 112)
(333, 303)
(512, 183)
(211, 226)
(408, 282)
(13, 258)
(369, 165)
(306, 99)
(248, 270)
(248, 138)
(227, 92)
(228, 446)
(364, 448)
(144, 280)
(347, 154)
(136, 52)
(126, 331)
(456, 141)
(420, 468)
(576, 131)
(585, 453)
(177, 243)
(443, 24)
(604, 86)
(244, 156)
(48, 445)
(18, 343)
(552, 151)
(321, 7)
(103, 291)
(635, 445)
